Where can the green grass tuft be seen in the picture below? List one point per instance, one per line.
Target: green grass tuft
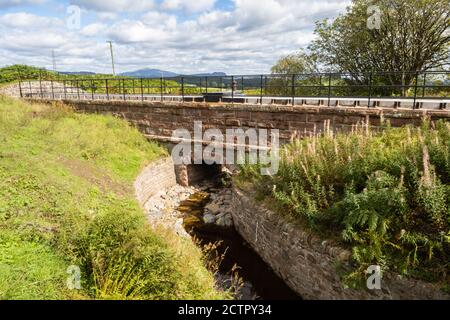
(66, 198)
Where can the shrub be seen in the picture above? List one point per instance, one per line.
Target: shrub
(385, 194)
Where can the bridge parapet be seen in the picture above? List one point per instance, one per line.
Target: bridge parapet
(160, 119)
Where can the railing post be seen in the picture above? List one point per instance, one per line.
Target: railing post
(182, 89)
(232, 89)
(161, 88)
(293, 89)
(261, 91)
(123, 90)
(415, 90)
(329, 89)
(320, 86)
(107, 89)
(265, 85)
(92, 89)
(78, 89)
(370, 89)
(242, 83)
(206, 80)
(142, 90)
(424, 84)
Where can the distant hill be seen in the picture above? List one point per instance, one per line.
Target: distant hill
(77, 73)
(156, 73)
(149, 73)
(213, 74)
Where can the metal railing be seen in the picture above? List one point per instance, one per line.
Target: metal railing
(327, 88)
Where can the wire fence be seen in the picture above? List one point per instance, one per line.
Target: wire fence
(414, 87)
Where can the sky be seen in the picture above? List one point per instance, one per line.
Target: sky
(183, 36)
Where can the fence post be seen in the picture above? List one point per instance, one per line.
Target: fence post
(65, 92)
(20, 84)
(206, 80)
(107, 89)
(92, 89)
(293, 89)
(53, 92)
(78, 89)
(142, 90)
(261, 92)
(415, 90)
(40, 82)
(182, 89)
(329, 89)
(242, 83)
(31, 89)
(370, 89)
(20, 88)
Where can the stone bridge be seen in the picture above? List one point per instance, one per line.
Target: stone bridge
(158, 120)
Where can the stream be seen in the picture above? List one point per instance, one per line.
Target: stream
(258, 281)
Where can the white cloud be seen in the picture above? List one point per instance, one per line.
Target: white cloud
(191, 6)
(15, 3)
(25, 20)
(117, 6)
(93, 29)
(186, 36)
(155, 18)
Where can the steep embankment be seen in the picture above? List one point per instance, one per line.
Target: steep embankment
(66, 199)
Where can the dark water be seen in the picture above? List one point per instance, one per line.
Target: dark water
(265, 284)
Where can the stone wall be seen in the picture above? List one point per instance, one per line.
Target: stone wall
(158, 120)
(155, 177)
(308, 264)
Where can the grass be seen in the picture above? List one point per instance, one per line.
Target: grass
(383, 194)
(66, 198)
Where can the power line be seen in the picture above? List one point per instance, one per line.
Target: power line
(112, 57)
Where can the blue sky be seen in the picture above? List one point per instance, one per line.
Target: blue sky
(185, 36)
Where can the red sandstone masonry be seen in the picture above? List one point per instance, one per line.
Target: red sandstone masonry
(307, 263)
(161, 119)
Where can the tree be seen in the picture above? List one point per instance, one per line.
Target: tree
(412, 35)
(297, 63)
(298, 69)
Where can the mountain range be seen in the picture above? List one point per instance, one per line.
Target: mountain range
(157, 73)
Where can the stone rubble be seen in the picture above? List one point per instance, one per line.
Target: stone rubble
(218, 211)
(162, 207)
(35, 88)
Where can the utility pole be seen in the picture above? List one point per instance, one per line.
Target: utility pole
(112, 57)
(54, 60)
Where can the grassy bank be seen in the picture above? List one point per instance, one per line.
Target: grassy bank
(385, 195)
(66, 198)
